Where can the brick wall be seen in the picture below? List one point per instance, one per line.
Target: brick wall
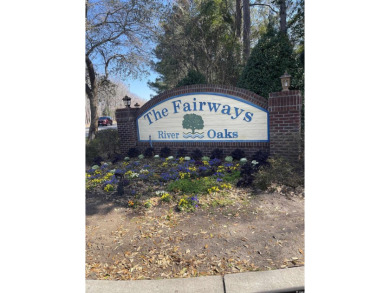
(127, 128)
(284, 108)
(285, 123)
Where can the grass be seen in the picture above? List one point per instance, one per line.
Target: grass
(232, 177)
(192, 186)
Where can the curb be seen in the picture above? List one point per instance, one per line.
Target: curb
(285, 280)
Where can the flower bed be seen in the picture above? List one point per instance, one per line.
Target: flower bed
(179, 217)
(184, 181)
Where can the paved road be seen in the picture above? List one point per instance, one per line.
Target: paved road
(100, 128)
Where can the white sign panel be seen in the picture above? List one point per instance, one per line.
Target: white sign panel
(207, 117)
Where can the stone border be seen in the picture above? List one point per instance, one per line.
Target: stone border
(285, 280)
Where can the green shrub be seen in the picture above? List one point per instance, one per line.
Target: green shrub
(181, 153)
(91, 152)
(217, 154)
(165, 152)
(197, 154)
(105, 144)
(108, 141)
(269, 59)
(133, 152)
(149, 152)
(238, 154)
(232, 177)
(193, 77)
(278, 171)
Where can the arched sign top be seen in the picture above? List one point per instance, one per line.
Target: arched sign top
(204, 117)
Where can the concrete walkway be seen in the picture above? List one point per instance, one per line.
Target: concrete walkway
(286, 280)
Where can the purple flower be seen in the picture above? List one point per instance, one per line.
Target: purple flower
(202, 168)
(218, 174)
(214, 162)
(219, 180)
(194, 201)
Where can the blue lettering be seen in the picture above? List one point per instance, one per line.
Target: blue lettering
(169, 135)
(237, 114)
(187, 107)
(211, 133)
(175, 107)
(147, 115)
(155, 115)
(201, 104)
(195, 104)
(164, 112)
(227, 134)
(226, 110)
(248, 116)
(214, 106)
(235, 134)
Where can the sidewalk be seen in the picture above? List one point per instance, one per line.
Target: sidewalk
(286, 280)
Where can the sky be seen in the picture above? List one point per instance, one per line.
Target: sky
(141, 88)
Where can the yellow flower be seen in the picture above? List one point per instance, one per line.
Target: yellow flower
(183, 202)
(109, 188)
(183, 175)
(226, 186)
(213, 189)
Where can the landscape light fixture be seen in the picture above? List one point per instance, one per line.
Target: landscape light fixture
(286, 81)
(136, 105)
(127, 101)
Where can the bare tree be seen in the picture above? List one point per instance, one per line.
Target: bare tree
(118, 35)
(110, 98)
(247, 29)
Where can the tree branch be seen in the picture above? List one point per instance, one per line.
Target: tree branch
(261, 4)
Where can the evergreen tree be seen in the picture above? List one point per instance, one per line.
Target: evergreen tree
(200, 36)
(193, 77)
(270, 58)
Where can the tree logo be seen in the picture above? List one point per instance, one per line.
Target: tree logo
(192, 121)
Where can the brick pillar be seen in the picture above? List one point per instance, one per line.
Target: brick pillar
(127, 128)
(285, 123)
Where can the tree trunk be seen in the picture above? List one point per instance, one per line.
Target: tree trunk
(283, 16)
(238, 18)
(246, 31)
(93, 99)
